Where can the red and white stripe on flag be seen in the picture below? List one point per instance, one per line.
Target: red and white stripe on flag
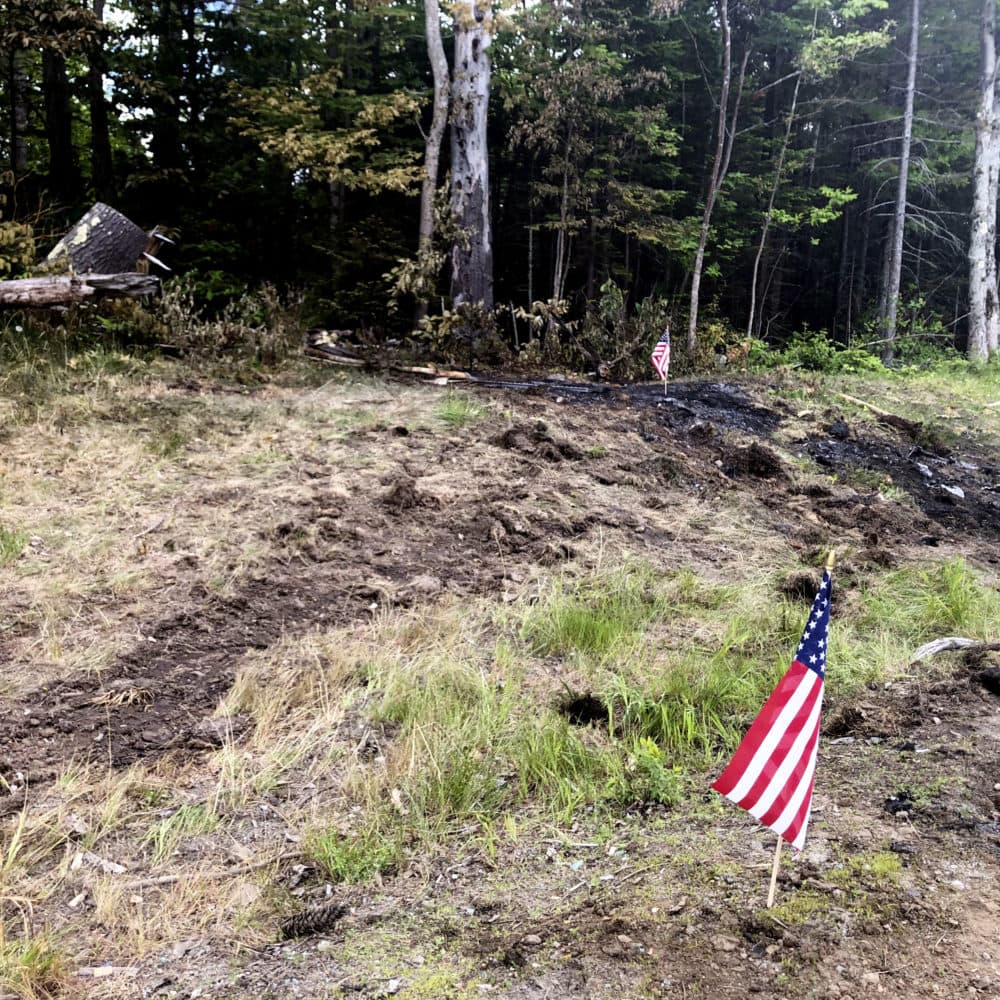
(771, 774)
(661, 355)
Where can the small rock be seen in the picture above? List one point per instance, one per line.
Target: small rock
(426, 584)
(870, 978)
(531, 940)
(955, 491)
(217, 731)
(75, 826)
(722, 942)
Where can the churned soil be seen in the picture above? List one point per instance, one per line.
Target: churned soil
(479, 509)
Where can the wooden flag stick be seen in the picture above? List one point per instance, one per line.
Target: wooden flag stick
(774, 874)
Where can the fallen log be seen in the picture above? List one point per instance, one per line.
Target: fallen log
(945, 643)
(322, 346)
(67, 289)
(884, 416)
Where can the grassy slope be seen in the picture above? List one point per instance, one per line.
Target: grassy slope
(423, 748)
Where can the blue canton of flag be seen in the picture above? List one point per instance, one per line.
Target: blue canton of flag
(812, 649)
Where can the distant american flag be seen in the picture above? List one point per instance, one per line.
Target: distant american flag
(661, 355)
(771, 773)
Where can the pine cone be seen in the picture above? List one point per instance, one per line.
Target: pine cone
(315, 920)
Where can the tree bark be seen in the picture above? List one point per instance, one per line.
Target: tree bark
(64, 174)
(102, 176)
(103, 242)
(984, 320)
(720, 164)
(20, 87)
(561, 268)
(899, 215)
(769, 214)
(472, 254)
(439, 121)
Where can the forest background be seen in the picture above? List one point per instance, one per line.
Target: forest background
(773, 171)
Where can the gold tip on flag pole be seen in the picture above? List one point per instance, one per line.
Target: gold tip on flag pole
(831, 556)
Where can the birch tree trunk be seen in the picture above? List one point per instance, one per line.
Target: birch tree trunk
(561, 268)
(899, 215)
(769, 214)
(439, 121)
(720, 163)
(984, 321)
(472, 255)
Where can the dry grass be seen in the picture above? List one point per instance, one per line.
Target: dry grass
(402, 742)
(145, 487)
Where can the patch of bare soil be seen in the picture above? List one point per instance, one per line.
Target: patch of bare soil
(634, 912)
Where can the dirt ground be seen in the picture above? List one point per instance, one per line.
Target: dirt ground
(361, 504)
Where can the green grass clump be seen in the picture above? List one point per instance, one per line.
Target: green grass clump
(32, 969)
(187, 821)
(696, 709)
(925, 603)
(555, 765)
(598, 617)
(799, 907)
(878, 869)
(648, 777)
(12, 543)
(457, 410)
(360, 857)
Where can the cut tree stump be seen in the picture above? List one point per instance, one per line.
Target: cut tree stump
(67, 289)
(103, 242)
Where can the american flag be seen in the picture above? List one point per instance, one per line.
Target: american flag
(771, 773)
(661, 355)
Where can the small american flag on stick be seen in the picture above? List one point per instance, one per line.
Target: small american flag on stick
(661, 355)
(771, 773)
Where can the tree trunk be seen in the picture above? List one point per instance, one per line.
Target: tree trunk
(984, 320)
(102, 176)
(439, 120)
(472, 255)
(20, 87)
(562, 237)
(769, 214)
(165, 99)
(720, 163)
(64, 174)
(845, 278)
(103, 242)
(899, 216)
(861, 270)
